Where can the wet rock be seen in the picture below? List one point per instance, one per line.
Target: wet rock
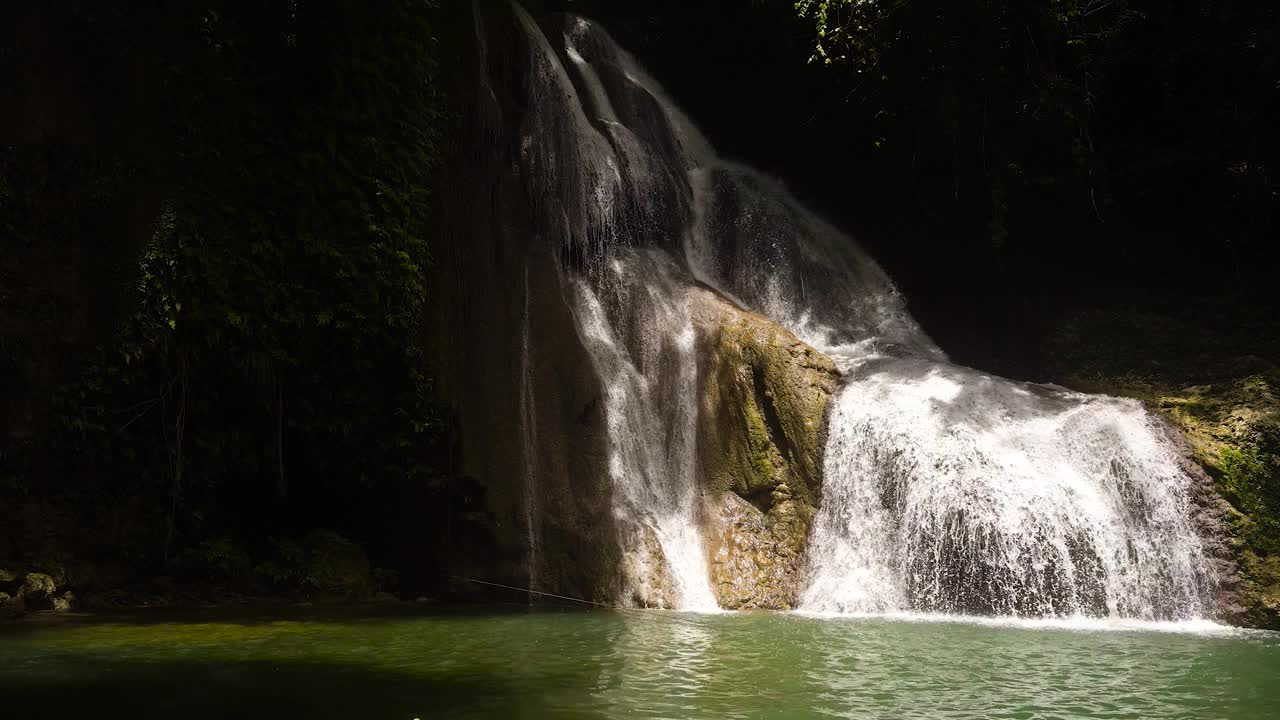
(1232, 428)
(38, 591)
(764, 397)
(646, 570)
(762, 432)
(757, 559)
(513, 371)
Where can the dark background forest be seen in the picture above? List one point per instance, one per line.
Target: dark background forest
(217, 221)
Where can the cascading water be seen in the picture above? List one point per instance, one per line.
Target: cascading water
(944, 490)
(611, 190)
(650, 375)
(952, 491)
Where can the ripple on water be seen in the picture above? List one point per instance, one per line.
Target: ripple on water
(639, 665)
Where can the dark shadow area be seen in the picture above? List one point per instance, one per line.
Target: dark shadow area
(193, 689)
(268, 613)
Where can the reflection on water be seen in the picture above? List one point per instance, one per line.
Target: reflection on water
(678, 658)
(636, 664)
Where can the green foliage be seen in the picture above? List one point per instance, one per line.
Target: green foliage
(982, 89)
(1107, 115)
(322, 561)
(271, 368)
(305, 242)
(220, 560)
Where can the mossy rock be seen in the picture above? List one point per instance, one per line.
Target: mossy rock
(64, 602)
(1261, 590)
(764, 401)
(762, 431)
(1233, 427)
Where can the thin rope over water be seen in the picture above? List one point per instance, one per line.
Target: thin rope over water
(537, 592)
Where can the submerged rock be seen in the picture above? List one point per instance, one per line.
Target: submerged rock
(762, 431)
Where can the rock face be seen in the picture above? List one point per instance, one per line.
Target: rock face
(757, 559)
(648, 563)
(762, 430)
(1230, 432)
(565, 167)
(524, 397)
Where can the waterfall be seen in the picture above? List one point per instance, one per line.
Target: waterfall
(944, 489)
(641, 339)
(952, 491)
(596, 168)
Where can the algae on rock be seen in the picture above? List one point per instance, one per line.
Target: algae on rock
(1234, 429)
(762, 431)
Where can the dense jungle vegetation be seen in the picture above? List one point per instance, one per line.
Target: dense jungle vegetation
(216, 220)
(242, 361)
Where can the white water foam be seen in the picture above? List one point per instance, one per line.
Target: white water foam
(953, 491)
(1076, 623)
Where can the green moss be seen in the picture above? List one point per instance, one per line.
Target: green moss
(759, 446)
(1262, 578)
(1243, 477)
(765, 395)
(762, 426)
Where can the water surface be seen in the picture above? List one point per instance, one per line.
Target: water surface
(628, 664)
